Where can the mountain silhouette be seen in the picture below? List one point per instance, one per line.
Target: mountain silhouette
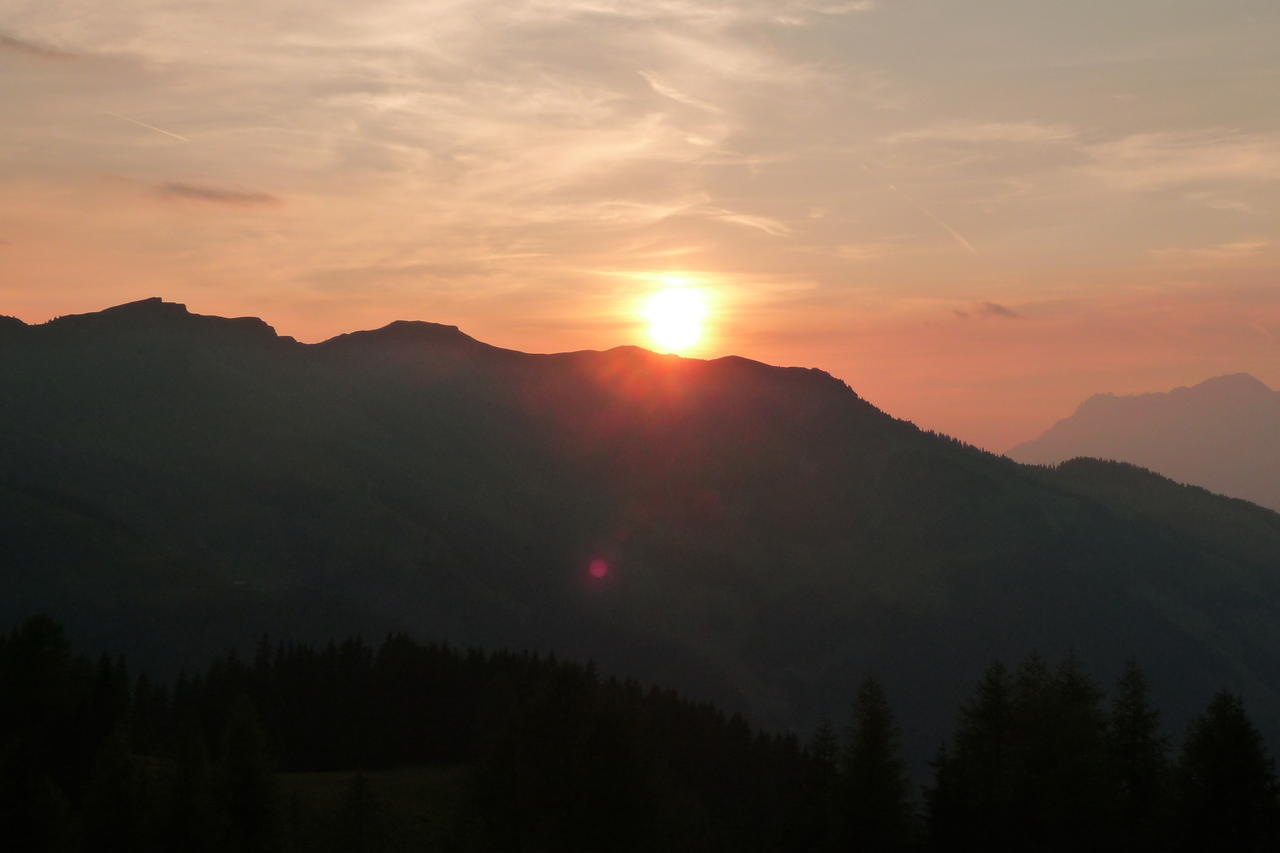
(171, 483)
(1223, 434)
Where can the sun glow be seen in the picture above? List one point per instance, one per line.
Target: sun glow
(676, 316)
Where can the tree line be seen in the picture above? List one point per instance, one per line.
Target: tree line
(553, 756)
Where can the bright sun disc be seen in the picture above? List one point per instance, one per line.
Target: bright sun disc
(675, 318)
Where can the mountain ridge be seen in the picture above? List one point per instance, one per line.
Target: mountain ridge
(770, 536)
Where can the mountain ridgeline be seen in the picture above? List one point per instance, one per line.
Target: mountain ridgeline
(171, 483)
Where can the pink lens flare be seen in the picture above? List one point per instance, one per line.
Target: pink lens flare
(598, 568)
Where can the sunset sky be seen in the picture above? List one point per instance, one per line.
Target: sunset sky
(975, 213)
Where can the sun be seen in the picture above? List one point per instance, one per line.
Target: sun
(676, 316)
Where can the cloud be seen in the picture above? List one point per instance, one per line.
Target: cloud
(1155, 161)
(772, 227)
(785, 12)
(375, 276)
(31, 48)
(985, 310)
(151, 127)
(844, 8)
(995, 309)
(1230, 251)
(493, 114)
(1217, 202)
(217, 195)
(666, 90)
(984, 133)
(866, 251)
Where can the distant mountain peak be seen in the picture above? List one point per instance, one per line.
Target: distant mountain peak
(154, 313)
(152, 305)
(1231, 383)
(1228, 386)
(1219, 434)
(423, 330)
(405, 333)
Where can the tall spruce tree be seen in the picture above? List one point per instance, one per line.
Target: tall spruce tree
(970, 803)
(1226, 782)
(1074, 782)
(822, 787)
(875, 812)
(1140, 764)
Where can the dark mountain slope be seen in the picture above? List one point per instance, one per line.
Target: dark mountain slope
(177, 482)
(1223, 434)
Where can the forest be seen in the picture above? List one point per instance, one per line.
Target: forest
(402, 745)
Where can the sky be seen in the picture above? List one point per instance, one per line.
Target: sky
(975, 213)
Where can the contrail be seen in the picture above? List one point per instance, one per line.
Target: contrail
(147, 126)
(960, 238)
(937, 220)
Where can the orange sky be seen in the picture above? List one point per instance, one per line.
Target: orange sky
(976, 214)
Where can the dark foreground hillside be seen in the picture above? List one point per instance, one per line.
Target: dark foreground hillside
(350, 747)
(171, 484)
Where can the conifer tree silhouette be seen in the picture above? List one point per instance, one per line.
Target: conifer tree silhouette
(1140, 763)
(1226, 782)
(875, 808)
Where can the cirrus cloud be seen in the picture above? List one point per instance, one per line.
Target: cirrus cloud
(217, 195)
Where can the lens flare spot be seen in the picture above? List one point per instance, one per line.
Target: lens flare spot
(598, 568)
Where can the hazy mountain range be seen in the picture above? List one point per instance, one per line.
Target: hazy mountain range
(1223, 434)
(171, 482)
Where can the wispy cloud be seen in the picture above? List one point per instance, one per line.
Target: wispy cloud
(866, 251)
(1229, 251)
(382, 276)
(986, 133)
(1153, 161)
(1213, 201)
(217, 195)
(995, 309)
(13, 44)
(152, 127)
(787, 12)
(960, 239)
(772, 227)
(666, 90)
(985, 310)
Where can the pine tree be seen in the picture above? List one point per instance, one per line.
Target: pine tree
(821, 783)
(971, 802)
(824, 750)
(1140, 763)
(1073, 783)
(944, 808)
(875, 810)
(1226, 782)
